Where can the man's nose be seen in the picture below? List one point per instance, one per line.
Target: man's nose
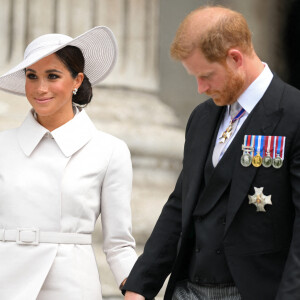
(202, 86)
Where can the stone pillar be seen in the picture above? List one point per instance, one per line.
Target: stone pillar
(177, 89)
(134, 22)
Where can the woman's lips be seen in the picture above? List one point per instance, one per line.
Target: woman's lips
(43, 100)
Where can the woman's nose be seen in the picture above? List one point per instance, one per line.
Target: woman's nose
(42, 86)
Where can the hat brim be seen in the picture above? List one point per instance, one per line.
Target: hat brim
(98, 46)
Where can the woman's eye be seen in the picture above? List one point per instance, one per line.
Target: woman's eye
(53, 76)
(31, 76)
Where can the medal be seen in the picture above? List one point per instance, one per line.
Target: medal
(248, 149)
(257, 159)
(277, 162)
(279, 143)
(267, 159)
(259, 199)
(246, 160)
(228, 132)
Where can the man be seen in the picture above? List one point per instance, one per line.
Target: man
(231, 227)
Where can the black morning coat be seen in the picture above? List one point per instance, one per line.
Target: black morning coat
(262, 248)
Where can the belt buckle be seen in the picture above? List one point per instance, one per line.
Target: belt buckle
(35, 241)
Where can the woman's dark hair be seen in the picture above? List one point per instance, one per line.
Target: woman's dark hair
(73, 59)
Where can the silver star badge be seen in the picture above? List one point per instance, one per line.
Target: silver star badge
(259, 199)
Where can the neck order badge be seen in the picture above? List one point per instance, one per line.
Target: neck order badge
(234, 117)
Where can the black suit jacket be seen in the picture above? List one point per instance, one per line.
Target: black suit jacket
(262, 249)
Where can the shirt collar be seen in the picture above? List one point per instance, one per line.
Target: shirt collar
(256, 90)
(69, 137)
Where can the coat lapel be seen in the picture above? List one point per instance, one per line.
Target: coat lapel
(199, 137)
(262, 121)
(221, 177)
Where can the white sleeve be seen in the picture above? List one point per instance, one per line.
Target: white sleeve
(118, 242)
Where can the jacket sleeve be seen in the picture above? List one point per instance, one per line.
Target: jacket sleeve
(290, 284)
(155, 264)
(118, 243)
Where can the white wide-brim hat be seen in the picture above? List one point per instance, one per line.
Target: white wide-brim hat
(98, 46)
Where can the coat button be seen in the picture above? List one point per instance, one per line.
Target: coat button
(197, 279)
(224, 221)
(197, 249)
(218, 251)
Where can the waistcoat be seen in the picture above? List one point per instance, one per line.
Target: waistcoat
(208, 263)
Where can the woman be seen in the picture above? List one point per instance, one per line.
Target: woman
(57, 173)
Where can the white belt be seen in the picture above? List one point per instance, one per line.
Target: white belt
(33, 236)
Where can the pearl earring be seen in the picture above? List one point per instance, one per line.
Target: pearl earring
(75, 91)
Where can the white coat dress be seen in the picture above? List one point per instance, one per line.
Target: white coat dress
(61, 182)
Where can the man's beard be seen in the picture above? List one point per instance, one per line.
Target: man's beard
(232, 89)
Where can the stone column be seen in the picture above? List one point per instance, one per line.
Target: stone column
(134, 22)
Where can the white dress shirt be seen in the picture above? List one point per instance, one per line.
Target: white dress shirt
(248, 101)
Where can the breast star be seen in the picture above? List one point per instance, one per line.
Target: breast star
(259, 199)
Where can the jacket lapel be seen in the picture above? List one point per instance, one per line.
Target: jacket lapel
(262, 121)
(221, 177)
(199, 137)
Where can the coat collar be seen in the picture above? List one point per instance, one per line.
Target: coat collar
(69, 137)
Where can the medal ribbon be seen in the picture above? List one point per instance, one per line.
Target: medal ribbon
(248, 142)
(252, 143)
(261, 145)
(269, 142)
(257, 144)
(282, 147)
(279, 143)
(275, 146)
(238, 115)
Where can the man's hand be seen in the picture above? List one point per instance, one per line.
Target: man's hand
(133, 296)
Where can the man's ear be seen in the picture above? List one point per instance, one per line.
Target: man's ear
(234, 58)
